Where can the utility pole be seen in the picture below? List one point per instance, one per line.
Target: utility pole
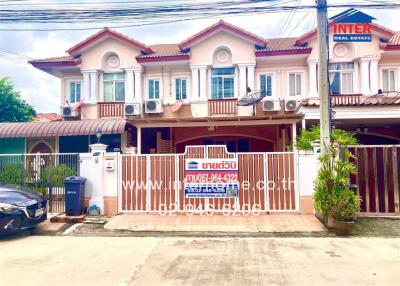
(323, 86)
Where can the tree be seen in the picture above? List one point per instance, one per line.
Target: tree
(340, 136)
(12, 107)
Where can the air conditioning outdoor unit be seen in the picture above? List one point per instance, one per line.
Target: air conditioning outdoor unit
(66, 111)
(132, 109)
(153, 106)
(290, 105)
(271, 105)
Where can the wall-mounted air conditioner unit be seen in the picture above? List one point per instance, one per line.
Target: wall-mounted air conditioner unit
(67, 111)
(153, 106)
(290, 105)
(133, 109)
(271, 105)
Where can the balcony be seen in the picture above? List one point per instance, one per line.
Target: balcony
(222, 107)
(347, 99)
(111, 109)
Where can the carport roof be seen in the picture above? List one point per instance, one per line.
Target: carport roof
(62, 128)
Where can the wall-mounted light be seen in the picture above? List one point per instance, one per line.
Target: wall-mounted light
(98, 134)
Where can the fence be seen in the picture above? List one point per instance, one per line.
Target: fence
(155, 183)
(43, 173)
(377, 177)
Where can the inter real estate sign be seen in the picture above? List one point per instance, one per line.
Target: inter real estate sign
(211, 178)
(352, 26)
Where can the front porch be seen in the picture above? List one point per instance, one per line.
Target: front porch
(238, 135)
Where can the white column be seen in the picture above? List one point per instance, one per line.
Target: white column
(195, 83)
(236, 83)
(138, 84)
(139, 139)
(365, 76)
(312, 75)
(374, 76)
(129, 86)
(242, 80)
(250, 76)
(86, 85)
(93, 86)
(203, 82)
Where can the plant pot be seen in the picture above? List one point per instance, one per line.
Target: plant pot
(329, 221)
(342, 227)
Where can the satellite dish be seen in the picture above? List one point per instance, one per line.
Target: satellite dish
(251, 99)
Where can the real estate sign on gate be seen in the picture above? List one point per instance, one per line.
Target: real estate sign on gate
(211, 178)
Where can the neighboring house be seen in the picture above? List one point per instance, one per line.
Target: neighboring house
(161, 98)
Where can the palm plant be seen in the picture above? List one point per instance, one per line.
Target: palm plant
(332, 186)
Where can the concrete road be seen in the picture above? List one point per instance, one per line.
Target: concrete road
(55, 260)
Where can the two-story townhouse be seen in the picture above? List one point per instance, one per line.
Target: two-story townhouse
(161, 98)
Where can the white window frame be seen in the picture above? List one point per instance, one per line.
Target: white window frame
(114, 81)
(302, 80)
(273, 83)
(395, 77)
(185, 77)
(210, 76)
(68, 95)
(341, 72)
(159, 79)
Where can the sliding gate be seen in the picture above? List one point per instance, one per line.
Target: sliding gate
(155, 183)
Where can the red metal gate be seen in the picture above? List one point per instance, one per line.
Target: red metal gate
(155, 183)
(377, 177)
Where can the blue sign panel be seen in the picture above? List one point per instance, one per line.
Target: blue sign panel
(211, 190)
(352, 38)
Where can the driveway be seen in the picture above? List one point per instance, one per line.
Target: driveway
(65, 260)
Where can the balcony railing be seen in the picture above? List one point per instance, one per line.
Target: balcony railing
(222, 107)
(111, 109)
(347, 99)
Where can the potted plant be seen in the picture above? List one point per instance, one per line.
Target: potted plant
(344, 211)
(332, 186)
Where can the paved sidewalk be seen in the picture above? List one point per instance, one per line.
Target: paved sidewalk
(275, 223)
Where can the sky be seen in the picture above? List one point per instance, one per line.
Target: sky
(42, 90)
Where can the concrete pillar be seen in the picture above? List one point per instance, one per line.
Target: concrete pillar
(195, 83)
(312, 74)
(250, 75)
(236, 83)
(242, 80)
(374, 75)
(139, 139)
(294, 135)
(86, 85)
(129, 86)
(93, 86)
(365, 76)
(138, 84)
(96, 198)
(203, 82)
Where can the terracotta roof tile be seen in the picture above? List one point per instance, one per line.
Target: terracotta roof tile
(164, 50)
(62, 128)
(46, 117)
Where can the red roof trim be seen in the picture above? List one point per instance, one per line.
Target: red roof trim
(308, 36)
(220, 25)
(162, 58)
(389, 47)
(107, 32)
(55, 64)
(283, 52)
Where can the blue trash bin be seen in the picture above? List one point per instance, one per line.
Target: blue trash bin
(74, 193)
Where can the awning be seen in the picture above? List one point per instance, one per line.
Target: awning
(62, 128)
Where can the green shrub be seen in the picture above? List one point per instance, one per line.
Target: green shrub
(342, 137)
(54, 175)
(332, 183)
(346, 206)
(13, 174)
